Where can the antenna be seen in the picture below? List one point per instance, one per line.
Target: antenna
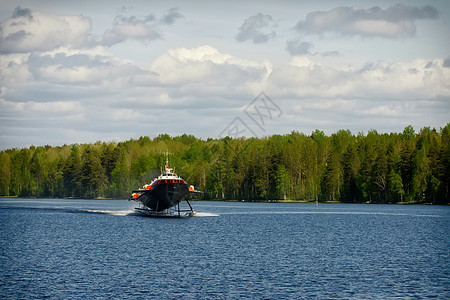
(167, 158)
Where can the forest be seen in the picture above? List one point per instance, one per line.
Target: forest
(406, 167)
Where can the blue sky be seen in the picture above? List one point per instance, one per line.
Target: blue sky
(83, 71)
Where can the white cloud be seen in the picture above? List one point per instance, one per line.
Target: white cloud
(55, 107)
(89, 66)
(392, 22)
(205, 67)
(383, 110)
(416, 79)
(14, 69)
(327, 104)
(125, 114)
(28, 31)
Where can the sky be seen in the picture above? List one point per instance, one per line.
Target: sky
(87, 71)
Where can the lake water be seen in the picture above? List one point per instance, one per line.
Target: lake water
(102, 249)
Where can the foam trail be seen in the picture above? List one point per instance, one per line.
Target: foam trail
(205, 214)
(112, 212)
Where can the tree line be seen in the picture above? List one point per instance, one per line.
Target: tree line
(374, 167)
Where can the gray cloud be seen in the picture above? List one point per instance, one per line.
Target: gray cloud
(330, 53)
(125, 28)
(22, 12)
(446, 63)
(138, 28)
(392, 22)
(298, 48)
(172, 15)
(253, 27)
(16, 37)
(39, 64)
(125, 9)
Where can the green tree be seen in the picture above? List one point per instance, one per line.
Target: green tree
(93, 177)
(443, 170)
(407, 164)
(21, 174)
(396, 186)
(54, 179)
(331, 178)
(37, 172)
(5, 174)
(350, 168)
(281, 182)
(121, 182)
(72, 174)
(396, 167)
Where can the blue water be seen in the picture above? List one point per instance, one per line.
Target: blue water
(101, 249)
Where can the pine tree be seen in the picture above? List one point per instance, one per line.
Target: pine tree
(5, 174)
(93, 176)
(72, 174)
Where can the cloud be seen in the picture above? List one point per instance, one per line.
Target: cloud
(88, 95)
(55, 107)
(87, 67)
(14, 69)
(28, 31)
(206, 68)
(22, 12)
(446, 63)
(144, 28)
(417, 79)
(125, 114)
(125, 28)
(89, 76)
(298, 48)
(172, 15)
(383, 111)
(330, 53)
(392, 22)
(105, 95)
(253, 29)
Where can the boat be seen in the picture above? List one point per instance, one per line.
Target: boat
(162, 196)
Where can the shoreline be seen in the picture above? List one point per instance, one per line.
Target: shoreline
(232, 200)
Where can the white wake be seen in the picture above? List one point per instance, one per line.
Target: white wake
(205, 214)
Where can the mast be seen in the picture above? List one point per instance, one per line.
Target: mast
(167, 159)
(167, 168)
